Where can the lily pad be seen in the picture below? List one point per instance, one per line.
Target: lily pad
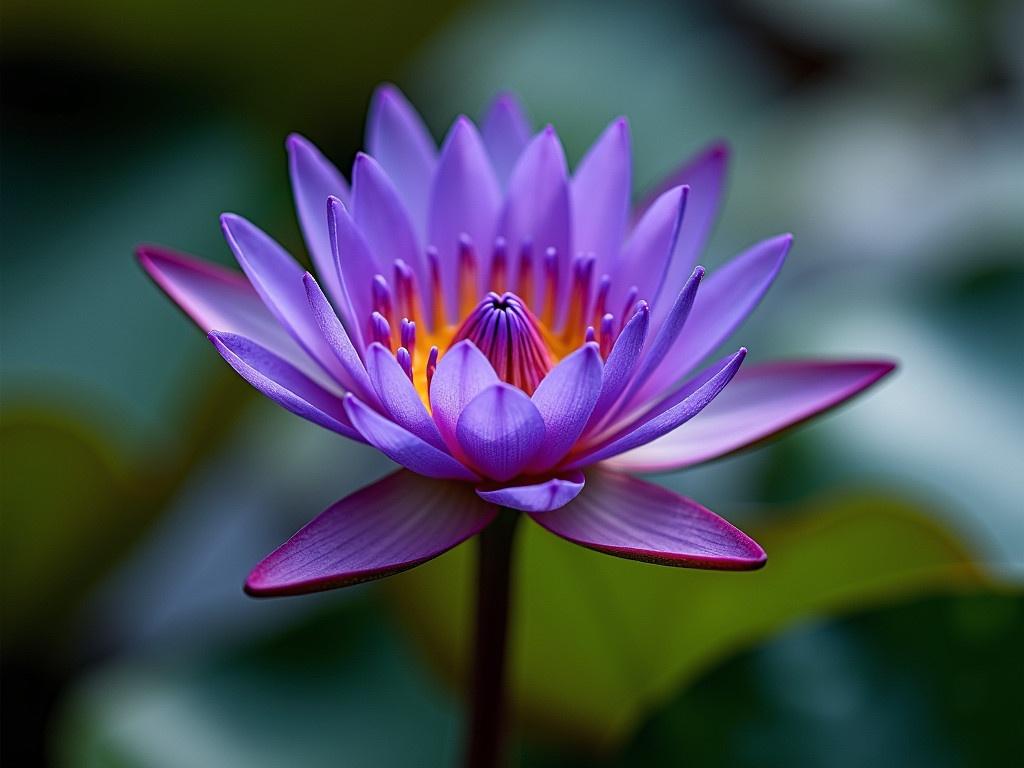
(598, 641)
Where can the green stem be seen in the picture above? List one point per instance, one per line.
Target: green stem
(486, 735)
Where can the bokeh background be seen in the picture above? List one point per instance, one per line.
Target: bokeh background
(141, 479)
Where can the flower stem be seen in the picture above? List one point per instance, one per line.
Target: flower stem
(485, 738)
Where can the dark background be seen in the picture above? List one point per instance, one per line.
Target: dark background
(141, 479)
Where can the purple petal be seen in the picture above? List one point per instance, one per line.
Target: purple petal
(277, 278)
(724, 300)
(565, 399)
(383, 220)
(759, 403)
(645, 256)
(601, 188)
(401, 143)
(679, 410)
(506, 132)
(462, 374)
(627, 517)
(398, 395)
(314, 179)
(465, 198)
(356, 379)
(537, 497)
(656, 354)
(537, 207)
(221, 299)
(283, 383)
(356, 265)
(704, 174)
(621, 362)
(388, 527)
(500, 431)
(402, 446)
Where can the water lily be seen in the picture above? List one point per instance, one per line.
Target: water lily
(514, 336)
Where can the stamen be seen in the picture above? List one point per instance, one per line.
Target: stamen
(407, 335)
(431, 366)
(524, 280)
(405, 290)
(404, 360)
(579, 296)
(589, 336)
(467, 285)
(499, 264)
(550, 285)
(437, 298)
(380, 330)
(381, 297)
(608, 334)
(504, 329)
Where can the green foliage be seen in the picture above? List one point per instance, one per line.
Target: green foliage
(600, 641)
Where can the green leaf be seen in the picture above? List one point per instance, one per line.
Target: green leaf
(599, 641)
(68, 508)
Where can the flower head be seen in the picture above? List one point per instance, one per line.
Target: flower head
(512, 334)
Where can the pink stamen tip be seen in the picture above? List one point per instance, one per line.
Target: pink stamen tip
(589, 335)
(380, 330)
(381, 296)
(407, 335)
(405, 360)
(607, 334)
(550, 284)
(431, 366)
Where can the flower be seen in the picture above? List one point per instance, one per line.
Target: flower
(512, 335)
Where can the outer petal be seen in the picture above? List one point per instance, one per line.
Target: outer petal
(618, 369)
(337, 338)
(506, 132)
(537, 207)
(401, 143)
(601, 188)
(500, 431)
(679, 410)
(627, 517)
(356, 264)
(391, 526)
(645, 256)
(277, 278)
(465, 198)
(383, 221)
(283, 383)
(760, 402)
(565, 400)
(655, 354)
(723, 302)
(402, 446)
(314, 179)
(704, 174)
(536, 497)
(462, 374)
(221, 299)
(399, 397)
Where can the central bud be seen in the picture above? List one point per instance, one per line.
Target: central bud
(506, 331)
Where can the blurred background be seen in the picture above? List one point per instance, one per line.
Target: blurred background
(141, 479)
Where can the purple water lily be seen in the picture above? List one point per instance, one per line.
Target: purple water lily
(512, 334)
(516, 338)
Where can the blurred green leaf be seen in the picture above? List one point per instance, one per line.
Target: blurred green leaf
(599, 641)
(67, 506)
(339, 690)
